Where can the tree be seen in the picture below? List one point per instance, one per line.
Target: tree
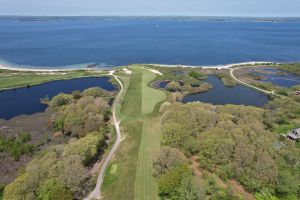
(243, 157)
(61, 99)
(22, 188)
(74, 123)
(207, 153)
(73, 175)
(166, 159)
(190, 189)
(94, 92)
(53, 189)
(93, 123)
(173, 86)
(170, 182)
(174, 134)
(196, 75)
(76, 94)
(265, 168)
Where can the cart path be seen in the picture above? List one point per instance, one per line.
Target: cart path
(96, 193)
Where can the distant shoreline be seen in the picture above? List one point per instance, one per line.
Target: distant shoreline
(168, 17)
(225, 66)
(25, 69)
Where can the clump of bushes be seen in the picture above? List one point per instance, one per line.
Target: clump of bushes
(173, 86)
(79, 113)
(1, 191)
(227, 80)
(16, 146)
(197, 75)
(95, 92)
(61, 99)
(293, 68)
(174, 176)
(59, 172)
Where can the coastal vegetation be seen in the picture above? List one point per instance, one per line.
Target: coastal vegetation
(227, 80)
(292, 67)
(63, 171)
(16, 146)
(230, 143)
(262, 76)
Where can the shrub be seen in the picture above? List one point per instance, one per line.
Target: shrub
(74, 123)
(1, 191)
(94, 92)
(76, 94)
(173, 86)
(170, 182)
(53, 189)
(166, 159)
(16, 146)
(196, 75)
(61, 99)
(22, 188)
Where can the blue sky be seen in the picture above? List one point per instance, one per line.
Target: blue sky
(259, 8)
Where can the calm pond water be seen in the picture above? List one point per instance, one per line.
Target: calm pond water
(27, 100)
(163, 84)
(284, 79)
(115, 41)
(221, 95)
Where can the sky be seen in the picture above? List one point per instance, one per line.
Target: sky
(251, 8)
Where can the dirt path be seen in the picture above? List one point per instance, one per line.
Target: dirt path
(96, 193)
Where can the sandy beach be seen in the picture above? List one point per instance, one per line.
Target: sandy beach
(8, 67)
(217, 66)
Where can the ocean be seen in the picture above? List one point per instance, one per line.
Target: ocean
(68, 42)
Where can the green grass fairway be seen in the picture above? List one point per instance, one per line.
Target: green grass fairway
(120, 184)
(145, 184)
(150, 96)
(131, 104)
(141, 126)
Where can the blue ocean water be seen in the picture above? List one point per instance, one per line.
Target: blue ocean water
(121, 41)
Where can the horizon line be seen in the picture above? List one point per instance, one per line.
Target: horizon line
(162, 16)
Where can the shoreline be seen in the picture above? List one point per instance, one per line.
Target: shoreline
(221, 66)
(13, 68)
(225, 66)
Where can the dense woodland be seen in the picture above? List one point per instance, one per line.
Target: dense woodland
(62, 171)
(228, 142)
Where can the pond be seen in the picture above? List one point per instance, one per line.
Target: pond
(25, 100)
(278, 77)
(163, 84)
(221, 95)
